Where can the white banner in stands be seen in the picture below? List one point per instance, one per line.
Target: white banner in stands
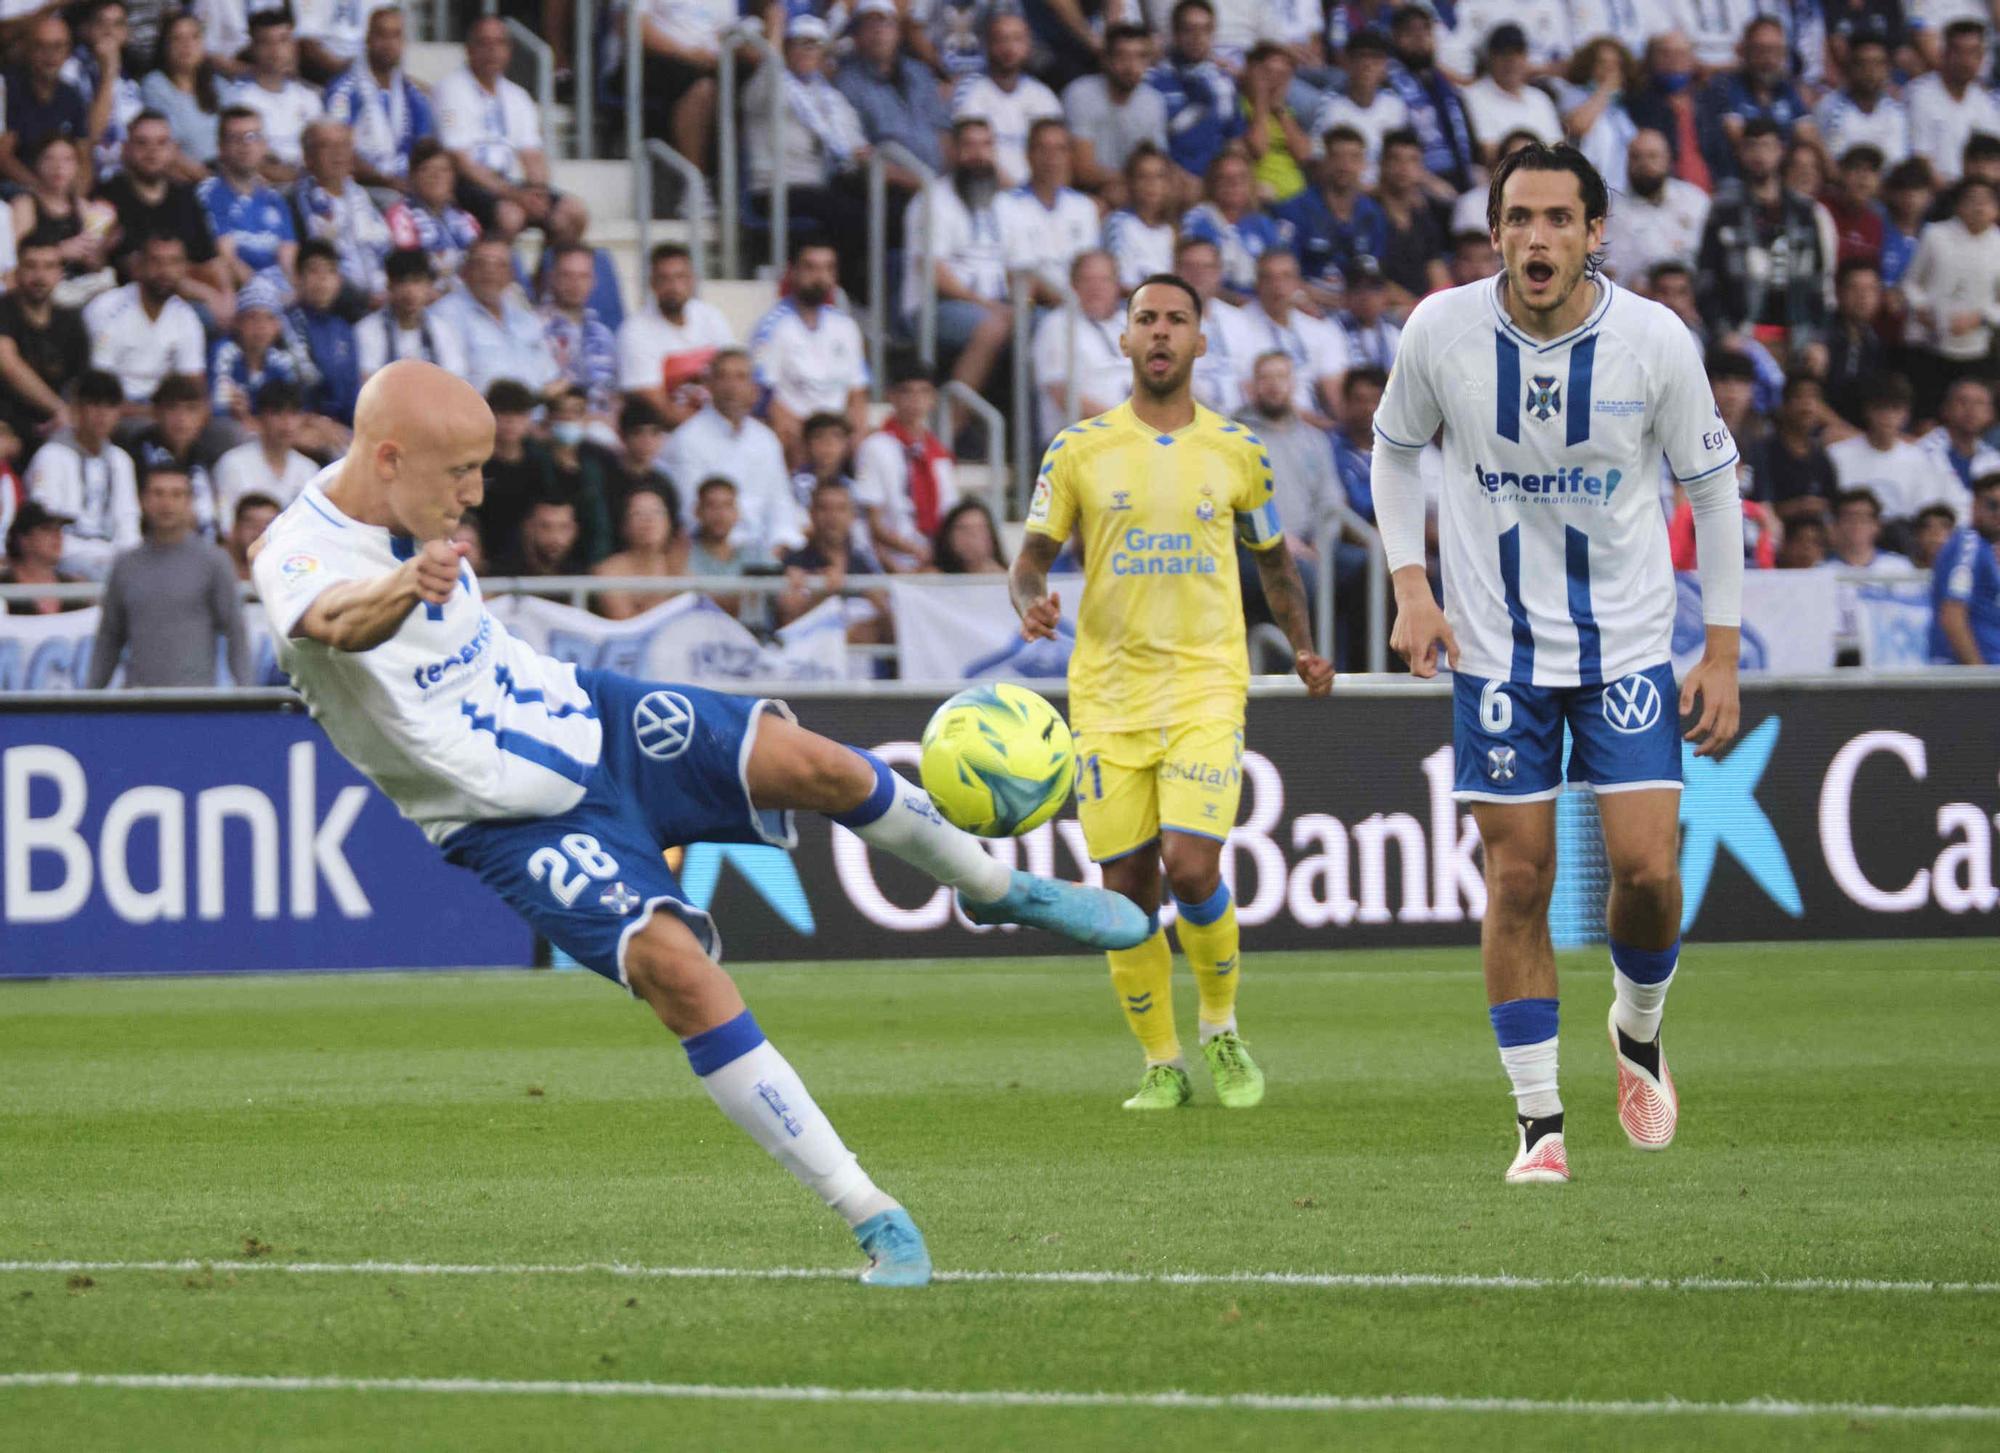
(970, 633)
(688, 638)
(1893, 624)
(1789, 618)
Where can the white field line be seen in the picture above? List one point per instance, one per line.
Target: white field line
(1331, 1281)
(1003, 1397)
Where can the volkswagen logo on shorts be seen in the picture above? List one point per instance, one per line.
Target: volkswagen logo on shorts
(663, 723)
(1632, 705)
(1500, 764)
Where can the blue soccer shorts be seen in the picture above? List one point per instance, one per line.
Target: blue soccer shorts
(1507, 738)
(673, 772)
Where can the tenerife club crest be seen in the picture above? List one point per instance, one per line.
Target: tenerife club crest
(1545, 396)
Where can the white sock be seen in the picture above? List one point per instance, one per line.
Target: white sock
(759, 1090)
(1532, 1068)
(1209, 1031)
(908, 827)
(1639, 1006)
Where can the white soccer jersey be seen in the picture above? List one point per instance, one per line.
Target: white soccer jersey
(810, 368)
(1556, 570)
(452, 717)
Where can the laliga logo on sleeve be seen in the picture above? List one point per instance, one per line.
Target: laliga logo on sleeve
(663, 723)
(1632, 705)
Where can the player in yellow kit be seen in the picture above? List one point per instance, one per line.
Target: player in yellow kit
(1160, 489)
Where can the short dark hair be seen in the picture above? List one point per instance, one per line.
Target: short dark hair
(423, 149)
(665, 251)
(315, 248)
(905, 366)
(822, 421)
(1728, 363)
(407, 264)
(1044, 124)
(640, 414)
(1366, 373)
(1885, 390)
(278, 396)
(510, 396)
(1979, 486)
(1542, 157)
(1401, 136)
(1366, 42)
(166, 468)
(962, 124)
(1170, 279)
(1671, 267)
(178, 388)
(551, 501)
(1798, 379)
(1118, 34)
(1862, 154)
(1843, 498)
(1964, 27)
(1343, 133)
(1853, 265)
(713, 482)
(1174, 20)
(265, 19)
(1945, 512)
(254, 499)
(1758, 126)
(95, 386)
(1856, 41)
(811, 241)
(835, 485)
(239, 113)
(1980, 147)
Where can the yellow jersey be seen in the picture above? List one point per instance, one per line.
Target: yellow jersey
(1159, 637)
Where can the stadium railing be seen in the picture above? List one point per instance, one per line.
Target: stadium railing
(748, 35)
(958, 391)
(545, 74)
(583, 67)
(694, 196)
(876, 322)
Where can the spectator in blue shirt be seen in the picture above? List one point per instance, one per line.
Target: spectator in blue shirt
(1202, 114)
(39, 103)
(895, 94)
(1231, 219)
(389, 112)
(1437, 114)
(333, 377)
(252, 223)
(1336, 223)
(1965, 586)
(254, 355)
(585, 351)
(1762, 89)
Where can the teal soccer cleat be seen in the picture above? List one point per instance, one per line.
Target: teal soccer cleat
(897, 1256)
(1093, 917)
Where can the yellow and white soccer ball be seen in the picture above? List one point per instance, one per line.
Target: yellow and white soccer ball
(998, 760)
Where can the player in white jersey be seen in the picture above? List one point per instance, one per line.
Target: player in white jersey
(1558, 392)
(561, 788)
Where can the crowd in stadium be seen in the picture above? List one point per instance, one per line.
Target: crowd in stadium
(221, 220)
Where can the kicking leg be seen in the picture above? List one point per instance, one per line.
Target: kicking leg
(791, 767)
(1520, 965)
(1642, 845)
(1209, 938)
(756, 1088)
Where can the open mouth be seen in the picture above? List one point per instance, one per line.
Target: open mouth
(1539, 273)
(1160, 357)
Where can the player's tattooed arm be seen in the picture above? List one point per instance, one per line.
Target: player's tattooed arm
(1028, 586)
(1285, 594)
(359, 615)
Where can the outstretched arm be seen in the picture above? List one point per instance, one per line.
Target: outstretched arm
(359, 615)
(1028, 586)
(1285, 594)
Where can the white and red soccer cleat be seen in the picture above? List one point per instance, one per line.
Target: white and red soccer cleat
(1542, 1162)
(1648, 1108)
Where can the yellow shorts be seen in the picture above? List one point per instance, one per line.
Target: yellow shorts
(1130, 785)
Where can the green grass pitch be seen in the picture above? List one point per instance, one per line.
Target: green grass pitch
(1839, 1124)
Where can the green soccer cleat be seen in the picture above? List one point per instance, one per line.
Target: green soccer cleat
(1165, 1087)
(1239, 1084)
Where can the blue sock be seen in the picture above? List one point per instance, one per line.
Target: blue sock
(1206, 911)
(1640, 978)
(1526, 1030)
(877, 801)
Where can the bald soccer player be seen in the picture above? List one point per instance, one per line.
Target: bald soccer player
(561, 788)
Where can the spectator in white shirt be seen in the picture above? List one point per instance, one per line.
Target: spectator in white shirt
(1140, 236)
(494, 132)
(1882, 460)
(501, 337)
(1317, 349)
(1369, 107)
(1111, 115)
(81, 475)
(808, 353)
(1007, 98)
(1232, 342)
(683, 45)
(330, 33)
(974, 320)
(723, 441)
(1950, 104)
(1953, 291)
(1957, 447)
(404, 328)
(662, 350)
(1047, 223)
(144, 331)
(274, 91)
(823, 144)
(1089, 334)
(905, 482)
(1503, 101)
(226, 33)
(267, 463)
(1658, 218)
(1863, 113)
(388, 111)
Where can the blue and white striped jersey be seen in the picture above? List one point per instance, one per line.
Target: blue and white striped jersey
(452, 717)
(1556, 567)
